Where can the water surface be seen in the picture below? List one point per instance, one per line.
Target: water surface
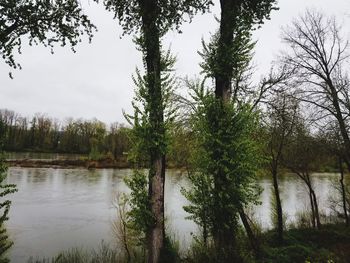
(57, 209)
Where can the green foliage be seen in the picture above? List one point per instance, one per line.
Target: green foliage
(46, 22)
(304, 152)
(5, 190)
(144, 141)
(75, 255)
(170, 14)
(142, 134)
(289, 254)
(252, 13)
(44, 134)
(225, 147)
(95, 154)
(200, 252)
(207, 252)
(227, 156)
(139, 215)
(170, 252)
(200, 195)
(238, 20)
(238, 55)
(180, 146)
(330, 244)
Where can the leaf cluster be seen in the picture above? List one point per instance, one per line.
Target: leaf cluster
(44, 21)
(143, 136)
(139, 217)
(225, 152)
(144, 139)
(170, 14)
(254, 12)
(238, 55)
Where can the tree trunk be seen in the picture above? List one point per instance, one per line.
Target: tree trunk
(278, 206)
(252, 239)
(313, 200)
(343, 192)
(313, 218)
(156, 195)
(223, 76)
(342, 125)
(224, 232)
(317, 214)
(205, 235)
(152, 52)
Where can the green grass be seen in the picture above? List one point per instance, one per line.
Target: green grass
(103, 255)
(331, 244)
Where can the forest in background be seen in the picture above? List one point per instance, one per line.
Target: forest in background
(98, 141)
(47, 135)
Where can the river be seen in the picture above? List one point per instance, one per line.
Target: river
(57, 209)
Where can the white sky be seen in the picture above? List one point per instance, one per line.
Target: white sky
(96, 81)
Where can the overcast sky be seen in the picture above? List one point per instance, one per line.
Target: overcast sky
(96, 81)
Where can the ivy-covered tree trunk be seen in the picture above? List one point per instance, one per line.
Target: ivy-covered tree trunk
(151, 45)
(223, 76)
(224, 227)
(223, 232)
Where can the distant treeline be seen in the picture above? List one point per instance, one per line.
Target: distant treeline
(99, 141)
(44, 134)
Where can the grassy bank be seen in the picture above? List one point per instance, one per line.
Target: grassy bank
(330, 244)
(305, 245)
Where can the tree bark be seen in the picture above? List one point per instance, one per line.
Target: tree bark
(313, 218)
(317, 214)
(223, 76)
(313, 199)
(151, 38)
(340, 119)
(343, 192)
(252, 239)
(278, 206)
(223, 230)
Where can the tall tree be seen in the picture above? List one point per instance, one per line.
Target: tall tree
(282, 116)
(318, 53)
(42, 21)
(238, 18)
(303, 155)
(234, 140)
(151, 19)
(226, 59)
(333, 142)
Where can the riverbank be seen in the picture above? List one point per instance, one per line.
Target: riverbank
(331, 244)
(68, 163)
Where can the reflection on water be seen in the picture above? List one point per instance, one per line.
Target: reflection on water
(56, 209)
(43, 156)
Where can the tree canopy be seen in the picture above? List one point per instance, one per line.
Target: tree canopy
(170, 14)
(42, 21)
